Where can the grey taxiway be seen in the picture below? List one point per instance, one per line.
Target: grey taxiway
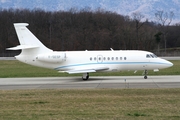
(93, 82)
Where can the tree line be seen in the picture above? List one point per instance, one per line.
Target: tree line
(87, 30)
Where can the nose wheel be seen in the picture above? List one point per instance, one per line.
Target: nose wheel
(145, 74)
(85, 76)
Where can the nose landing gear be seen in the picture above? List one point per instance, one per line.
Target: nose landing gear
(145, 74)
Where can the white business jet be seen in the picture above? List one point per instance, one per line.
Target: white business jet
(85, 62)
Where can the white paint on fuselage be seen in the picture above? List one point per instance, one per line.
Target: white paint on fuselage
(114, 60)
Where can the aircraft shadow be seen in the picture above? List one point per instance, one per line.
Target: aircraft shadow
(94, 79)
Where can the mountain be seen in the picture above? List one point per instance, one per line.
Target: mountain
(124, 7)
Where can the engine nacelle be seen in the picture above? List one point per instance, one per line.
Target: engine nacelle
(54, 57)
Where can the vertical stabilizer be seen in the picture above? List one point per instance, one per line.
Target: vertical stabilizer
(27, 40)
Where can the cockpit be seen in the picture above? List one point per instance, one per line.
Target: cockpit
(151, 56)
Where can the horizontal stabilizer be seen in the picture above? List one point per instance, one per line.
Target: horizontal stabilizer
(22, 47)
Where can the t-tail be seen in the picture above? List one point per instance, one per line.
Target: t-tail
(29, 44)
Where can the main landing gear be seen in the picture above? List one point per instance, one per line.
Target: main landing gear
(145, 74)
(85, 76)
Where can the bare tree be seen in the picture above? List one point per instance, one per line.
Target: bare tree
(158, 39)
(137, 17)
(164, 20)
(86, 29)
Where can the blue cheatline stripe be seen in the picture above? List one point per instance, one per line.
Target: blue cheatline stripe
(105, 63)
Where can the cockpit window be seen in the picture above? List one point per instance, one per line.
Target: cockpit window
(148, 56)
(152, 56)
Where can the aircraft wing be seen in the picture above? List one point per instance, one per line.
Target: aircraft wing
(87, 70)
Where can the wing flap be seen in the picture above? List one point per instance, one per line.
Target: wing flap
(80, 71)
(87, 70)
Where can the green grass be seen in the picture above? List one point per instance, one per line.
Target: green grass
(86, 104)
(90, 104)
(17, 69)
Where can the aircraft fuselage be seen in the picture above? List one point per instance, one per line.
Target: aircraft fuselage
(119, 60)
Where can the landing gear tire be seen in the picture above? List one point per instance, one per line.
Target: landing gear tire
(85, 76)
(145, 74)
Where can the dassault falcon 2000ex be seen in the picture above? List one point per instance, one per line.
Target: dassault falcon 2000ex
(33, 52)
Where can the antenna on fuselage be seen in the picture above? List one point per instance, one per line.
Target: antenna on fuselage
(111, 49)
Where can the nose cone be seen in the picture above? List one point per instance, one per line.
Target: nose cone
(167, 63)
(170, 64)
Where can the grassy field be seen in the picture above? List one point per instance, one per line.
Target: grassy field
(90, 104)
(86, 104)
(17, 69)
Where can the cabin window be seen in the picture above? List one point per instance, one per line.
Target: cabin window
(112, 58)
(116, 58)
(125, 58)
(108, 58)
(90, 58)
(120, 58)
(94, 58)
(104, 58)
